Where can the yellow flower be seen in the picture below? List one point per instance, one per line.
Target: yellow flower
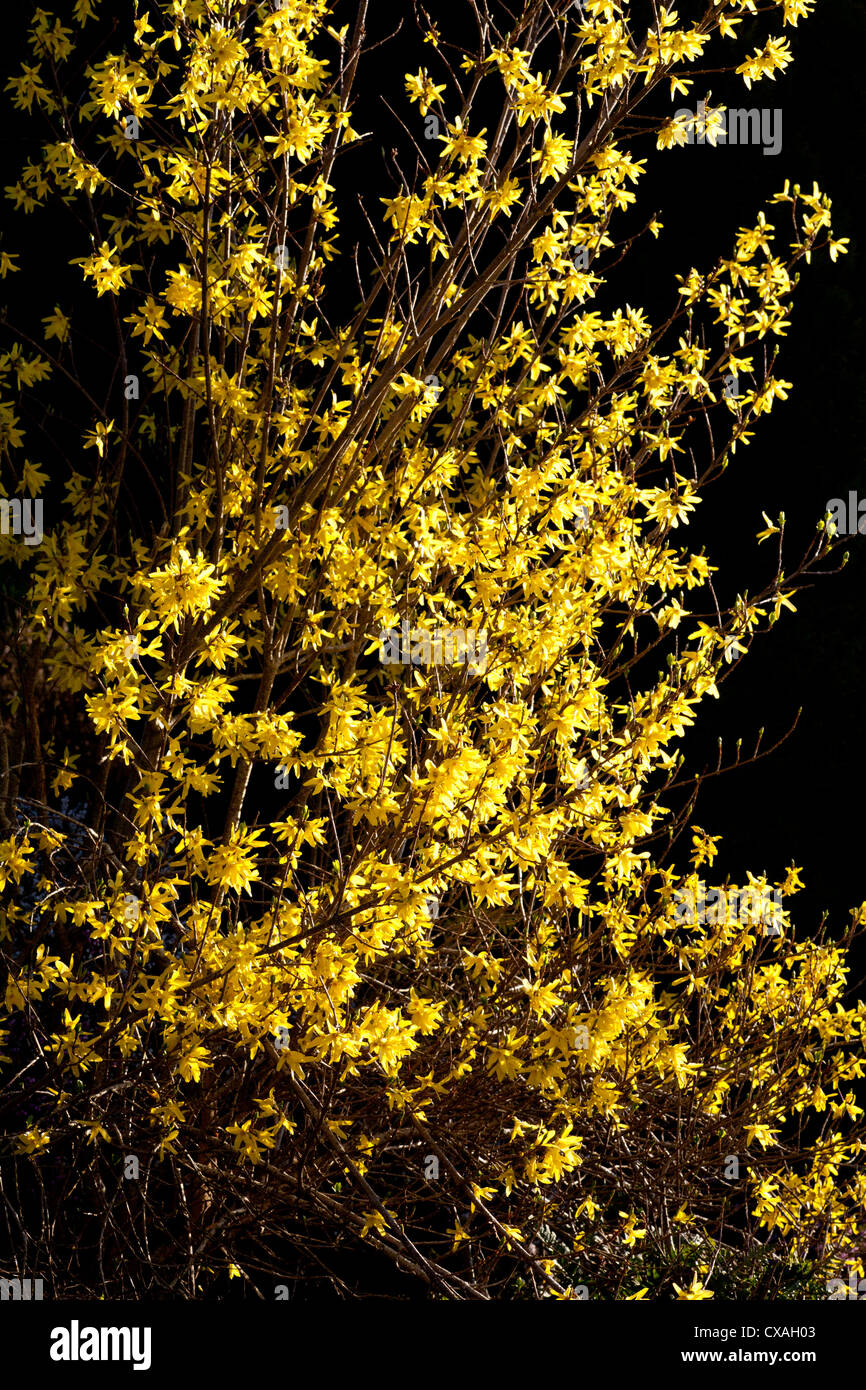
(191, 1064)
(149, 321)
(107, 273)
(373, 1221)
(188, 584)
(695, 1290)
(554, 157)
(97, 438)
(423, 90)
(233, 865)
(33, 1141)
(56, 325)
(762, 1133)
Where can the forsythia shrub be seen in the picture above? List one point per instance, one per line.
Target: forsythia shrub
(336, 950)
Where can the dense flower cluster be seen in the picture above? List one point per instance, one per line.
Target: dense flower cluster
(448, 929)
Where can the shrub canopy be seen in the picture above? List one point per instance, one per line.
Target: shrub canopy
(311, 953)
